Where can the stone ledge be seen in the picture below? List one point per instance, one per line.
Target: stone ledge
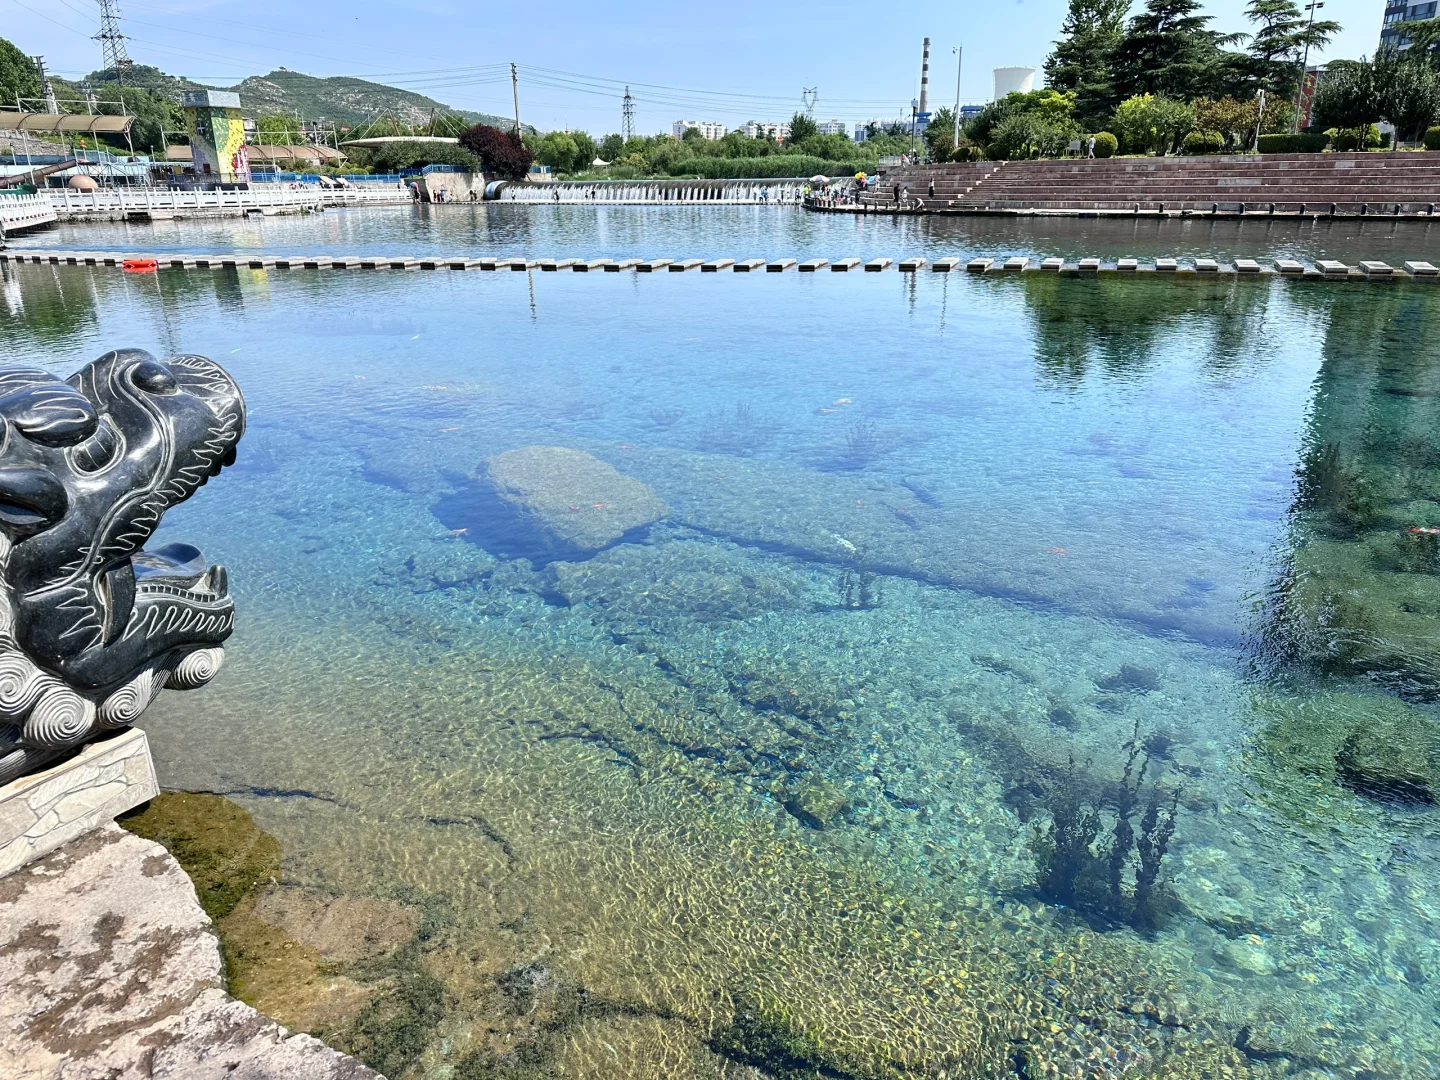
(43, 811)
(109, 968)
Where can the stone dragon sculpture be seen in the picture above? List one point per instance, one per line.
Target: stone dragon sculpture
(93, 626)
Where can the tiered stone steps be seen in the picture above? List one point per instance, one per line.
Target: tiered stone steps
(1359, 183)
(952, 182)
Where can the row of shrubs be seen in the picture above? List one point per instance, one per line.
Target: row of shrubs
(1212, 142)
(1105, 146)
(715, 168)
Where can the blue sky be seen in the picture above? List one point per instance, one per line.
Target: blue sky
(726, 61)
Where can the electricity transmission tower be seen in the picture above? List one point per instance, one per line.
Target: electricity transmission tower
(808, 96)
(627, 116)
(112, 41)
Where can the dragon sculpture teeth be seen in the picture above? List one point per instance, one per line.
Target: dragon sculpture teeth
(92, 625)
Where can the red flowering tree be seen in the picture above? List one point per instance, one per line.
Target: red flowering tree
(502, 155)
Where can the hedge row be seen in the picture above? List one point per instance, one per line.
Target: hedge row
(1432, 138)
(1302, 143)
(775, 166)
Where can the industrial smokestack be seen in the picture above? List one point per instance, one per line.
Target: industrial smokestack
(925, 78)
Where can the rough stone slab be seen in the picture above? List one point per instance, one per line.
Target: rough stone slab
(109, 968)
(45, 810)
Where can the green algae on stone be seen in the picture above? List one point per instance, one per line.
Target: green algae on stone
(571, 496)
(1374, 744)
(216, 842)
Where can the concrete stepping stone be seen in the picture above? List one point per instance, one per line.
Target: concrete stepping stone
(839, 266)
(1247, 266)
(979, 266)
(744, 266)
(685, 264)
(779, 266)
(809, 266)
(1054, 263)
(1016, 262)
(1207, 266)
(715, 264)
(1330, 266)
(910, 266)
(651, 265)
(1289, 266)
(622, 264)
(1128, 265)
(593, 264)
(1420, 268)
(1091, 264)
(875, 265)
(1375, 268)
(945, 265)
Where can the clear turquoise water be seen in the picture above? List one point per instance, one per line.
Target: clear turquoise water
(702, 775)
(741, 232)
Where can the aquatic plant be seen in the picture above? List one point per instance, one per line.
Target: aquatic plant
(1093, 857)
(741, 432)
(664, 418)
(858, 586)
(1327, 482)
(864, 445)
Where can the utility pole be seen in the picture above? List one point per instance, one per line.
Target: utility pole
(808, 96)
(515, 87)
(112, 41)
(46, 90)
(627, 116)
(959, 51)
(1305, 63)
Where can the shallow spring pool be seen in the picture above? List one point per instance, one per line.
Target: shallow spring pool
(1025, 677)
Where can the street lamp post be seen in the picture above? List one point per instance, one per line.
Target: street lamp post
(1305, 62)
(959, 51)
(914, 111)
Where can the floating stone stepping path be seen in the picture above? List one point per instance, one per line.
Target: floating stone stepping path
(1366, 270)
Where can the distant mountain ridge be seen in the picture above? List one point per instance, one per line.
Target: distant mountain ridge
(341, 99)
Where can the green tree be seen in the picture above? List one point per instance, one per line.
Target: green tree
(557, 150)
(940, 134)
(612, 147)
(1281, 37)
(801, 128)
(18, 77)
(1347, 96)
(586, 150)
(1080, 61)
(1169, 49)
(1234, 120)
(1153, 122)
(1407, 92)
(154, 116)
(283, 128)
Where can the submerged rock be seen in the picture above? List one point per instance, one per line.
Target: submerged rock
(572, 497)
(815, 802)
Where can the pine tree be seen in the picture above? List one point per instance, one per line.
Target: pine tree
(1281, 37)
(1169, 49)
(1081, 59)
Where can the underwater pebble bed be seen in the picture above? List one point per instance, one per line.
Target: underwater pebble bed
(746, 727)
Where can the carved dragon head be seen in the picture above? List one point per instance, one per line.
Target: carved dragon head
(93, 626)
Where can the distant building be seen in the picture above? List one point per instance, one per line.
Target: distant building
(1397, 13)
(709, 130)
(766, 130)
(1013, 80)
(831, 127)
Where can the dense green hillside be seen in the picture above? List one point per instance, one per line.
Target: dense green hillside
(345, 101)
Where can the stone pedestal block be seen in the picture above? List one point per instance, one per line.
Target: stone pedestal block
(41, 812)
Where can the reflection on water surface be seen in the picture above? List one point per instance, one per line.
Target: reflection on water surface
(942, 677)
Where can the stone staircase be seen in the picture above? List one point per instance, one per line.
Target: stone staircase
(1345, 183)
(953, 182)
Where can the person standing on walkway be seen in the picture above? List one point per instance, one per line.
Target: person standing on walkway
(932, 187)
(1092, 146)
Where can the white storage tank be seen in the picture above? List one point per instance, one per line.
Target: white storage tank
(1013, 80)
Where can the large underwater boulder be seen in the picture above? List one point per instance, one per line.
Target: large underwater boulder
(575, 499)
